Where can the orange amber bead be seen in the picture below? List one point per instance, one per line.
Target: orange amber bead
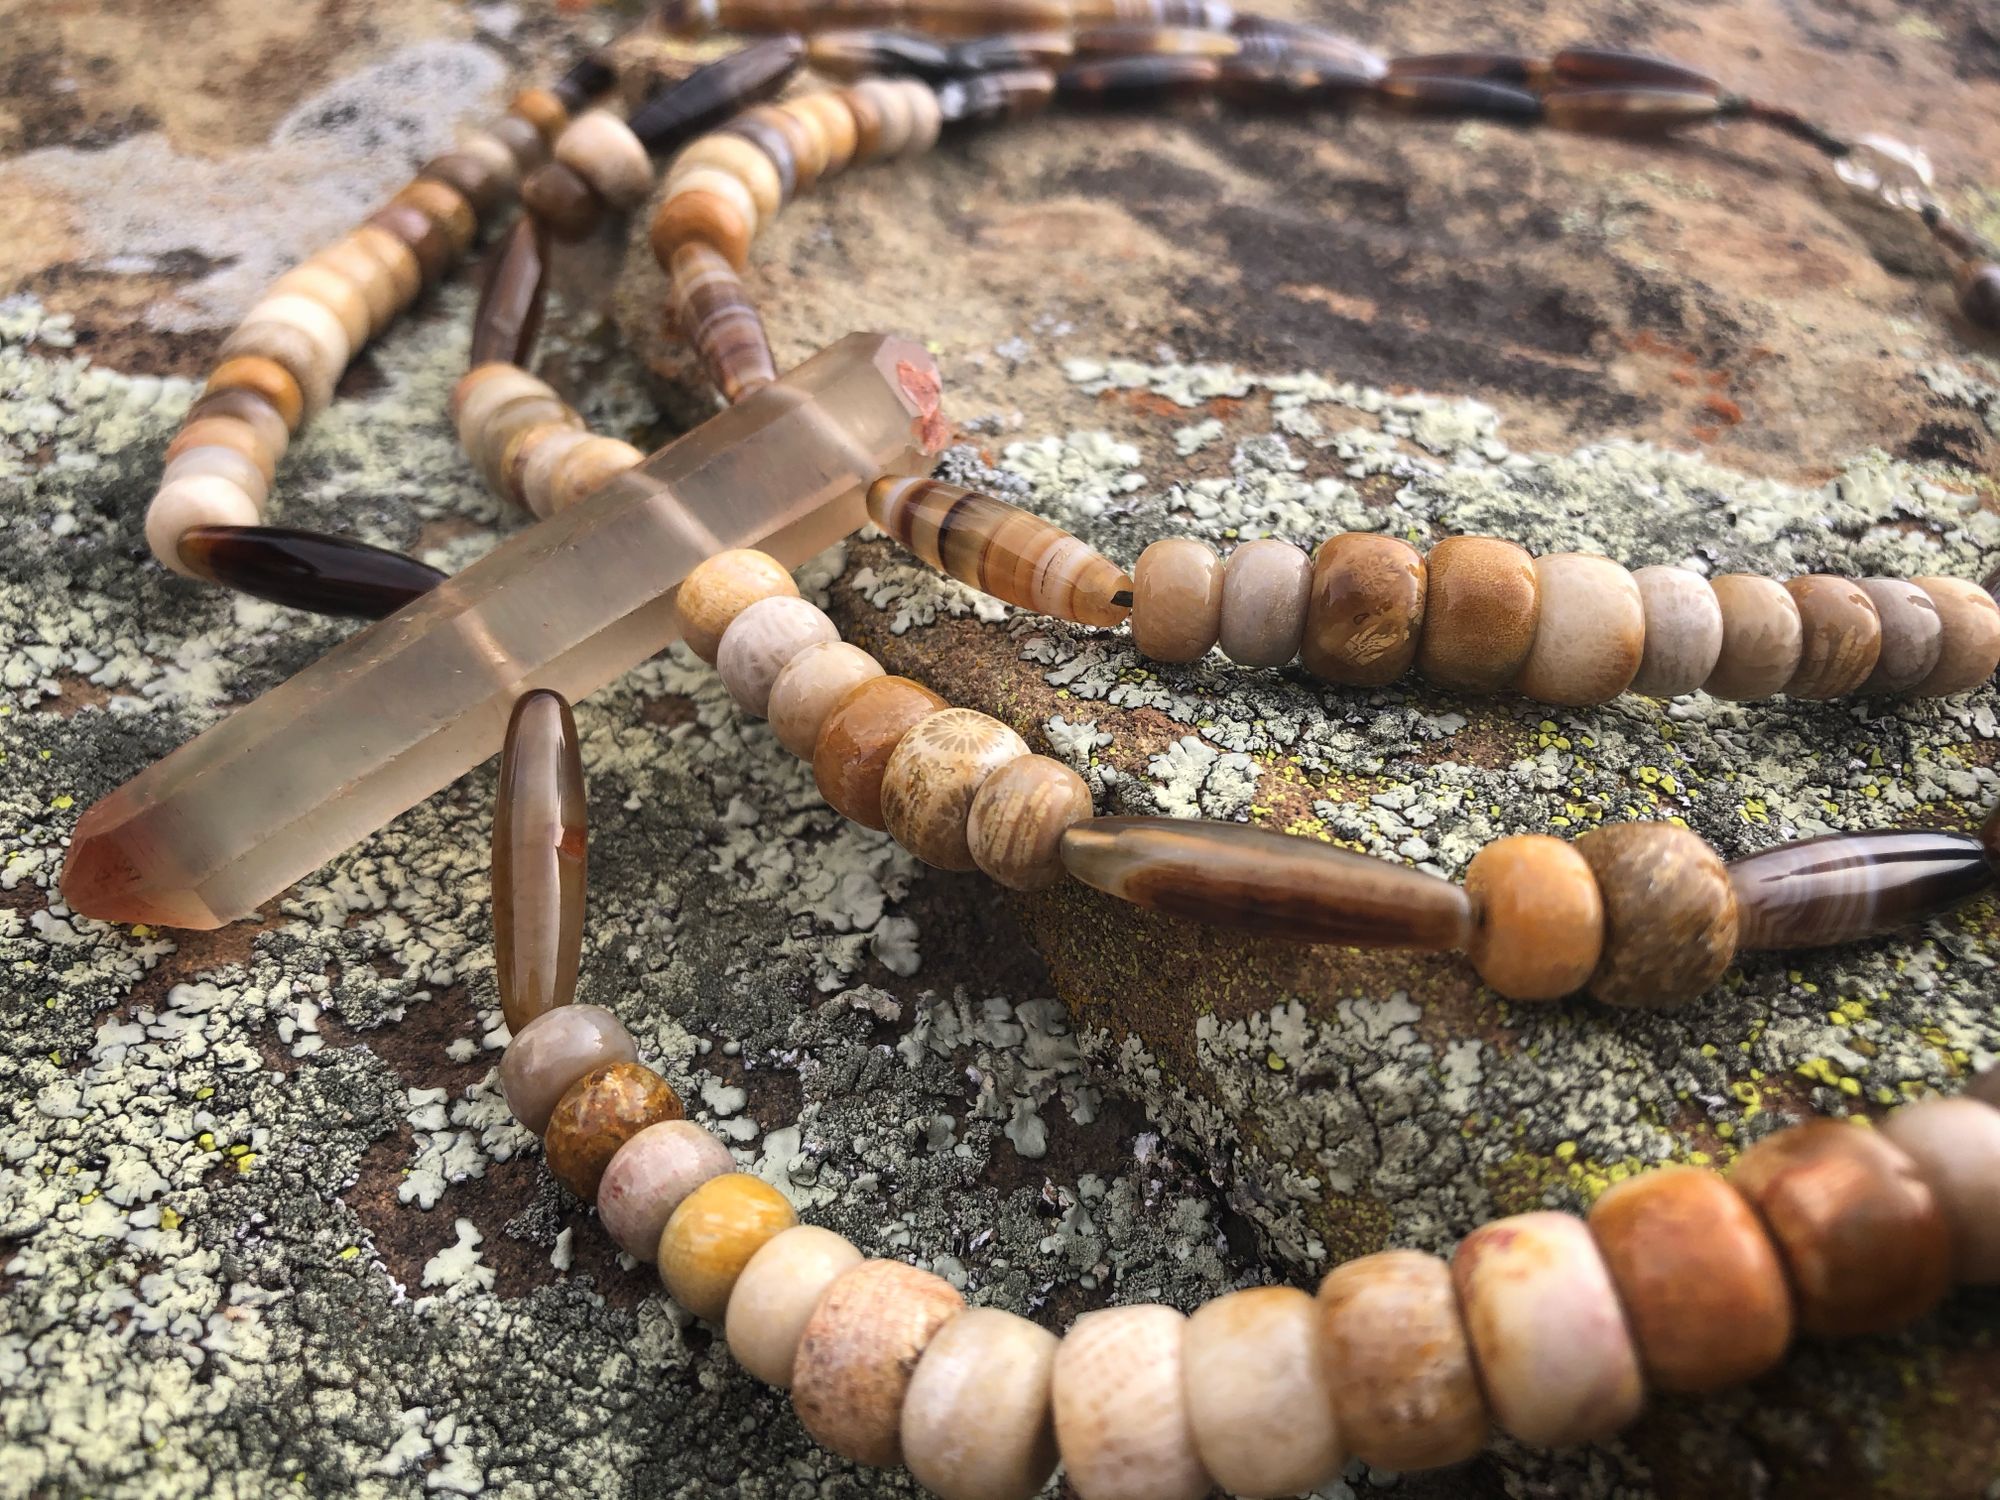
(858, 738)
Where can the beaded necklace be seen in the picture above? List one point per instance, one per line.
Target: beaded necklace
(1549, 1326)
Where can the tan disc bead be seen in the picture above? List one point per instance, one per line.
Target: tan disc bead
(199, 500)
(1868, 1249)
(712, 1235)
(1956, 1146)
(1761, 638)
(859, 736)
(397, 260)
(1015, 826)
(1912, 635)
(1702, 1286)
(805, 691)
(926, 115)
(694, 214)
(1670, 916)
(743, 163)
(228, 432)
(1971, 646)
(274, 328)
(1366, 610)
(651, 1176)
(446, 207)
(242, 405)
(775, 1295)
(1258, 1400)
(554, 1050)
(336, 293)
(531, 472)
(262, 377)
(598, 1113)
(761, 641)
(1683, 632)
(1840, 636)
(1121, 1407)
(832, 127)
(483, 390)
(1591, 635)
(720, 589)
(893, 116)
(1397, 1364)
(522, 141)
(1541, 919)
(1480, 613)
(1266, 585)
(859, 1349)
(867, 124)
(1176, 600)
(807, 144)
(347, 259)
(932, 776)
(215, 461)
(587, 468)
(601, 149)
(976, 1423)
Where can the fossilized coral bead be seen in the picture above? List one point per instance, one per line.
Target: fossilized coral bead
(859, 736)
(1844, 887)
(1258, 1401)
(1365, 614)
(1540, 926)
(1480, 613)
(859, 1349)
(597, 1114)
(1176, 600)
(1590, 637)
(775, 1295)
(932, 776)
(1971, 629)
(976, 1423)
(540, 853)
(554, 1050)
(1912, 635)
(762, 640)
(652, 1174)
(1018, 817)
(1840, 636)
(805, 691)
(712, 1236)
(1761, 638)
(1121, 1407)
(719, 589)
(1670, 917)
(1266, 586)
(1683, 629)
(1956, 1146)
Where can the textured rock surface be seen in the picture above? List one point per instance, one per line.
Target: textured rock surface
(264, 1223)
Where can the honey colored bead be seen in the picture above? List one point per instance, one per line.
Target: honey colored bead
(1840, 636)
(804, 692)
(540, 856)
(707, 302)
(833, 126)
(587, 468)
(858, 738)
(242, 405)
(775, 1295)
(1480, 613)
(397, 260)
(1554, 1355)
(1541, 920)
(336, 293)
(302, 336)
(1397, 1365)
(761, 641)
(1867, 1247)
(1761, 638)
(1266, 586)
(932, 776)
(1121, 1407)
(1955, 1144)
(807, 146)
(1971, 646)
(1912, 635)
(1669, 914)
(347, 259)
(892, 110)
(712, 1235)
(1176, 600)
(541, 109)
(1703, 1289)
(720, 589)
(183, 504)
(446, 207)
(1683, 629)
(598, 1113)
(232, 433)
(1591, 635)
(554, 1050)
(481, 392)
(693, 216)
(216, 461)
(859, 1349)
(265, 378)
(743, 163)
(976, 1423)
(1257, 1395)
(650, 1177)
(1015, 826)
(866, 108)
(1366, 610)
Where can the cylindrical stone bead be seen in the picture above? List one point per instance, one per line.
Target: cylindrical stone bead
(179, 507)
(804, 692)
(651, 1176)
(1761, 638)
(751, 168)
(976, 1423)
(1840, 636)
(1971, 629)
(862, 1343)
(559, 199)
(554, 1050)
(932, 776)
(398, 261)
(215, 460)
(1703, 1289)
(540, 843)
(775, 1295)
(1257, 1395)
(1862, 1234)
(509, 317)
(583, 470)
(332, 291)
(1843, 887)
(247, 407)
(1555, 1357)
(328, 575)
(1138, 80)
(1015, 826)
(264, 378)
(1590, 637)
(1956, 1146)
(1683, 630)
(1420, 95)
(446, 207)
(713, 1234)
(704, 206)
(599, 1113)
(301, 335)
(1670, 920)
(1176, 600)
(1236, 875)
(1001, 549)
(832, 123)
(1603, 65)
(761, 641)
(1480, 613)
(1266, 587)
(1912, 635)
(716, 316)
(892, 112)
(1121, 1407)
(348, 259)
(602, 150)
(716, 591)
(1540, 928)
(859, 736)
(851, 55)
(1365, 614)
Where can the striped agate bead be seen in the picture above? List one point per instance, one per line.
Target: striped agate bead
(1844, 887)
(1210, 15)
(986, 97)
(716, 316)
(1001, 549)
(1136, 39)
(540, 853)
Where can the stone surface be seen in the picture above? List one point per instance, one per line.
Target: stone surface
(301, 1252)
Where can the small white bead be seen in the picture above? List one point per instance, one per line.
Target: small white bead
(776, 1294)
(601, 149)
(1121, 1408)
(312, 318)
(761, 641)
(203, 500)
(227, 463)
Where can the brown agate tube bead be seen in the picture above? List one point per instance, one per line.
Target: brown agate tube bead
(558, 198)
(329, 575)
(1840, 636)
(1841, 888)
(1669, 914)
(1868, 1249)
(601, 1112)
(1365, 614)
(1001, 550)
(995, 96)
(715, 92)
(716, 316)
(1030, 49)
(1979, 294)
(1234, 875)
(1139, 80)
(1702, 1285)
(1458, 96)
(1493, 67)
(540, 854)
(1135, 39)
(509, 318)
(1630, 110)
(1480, 613)
(1176, 600)
(852, 55)
(858, 738)
(1600, 65)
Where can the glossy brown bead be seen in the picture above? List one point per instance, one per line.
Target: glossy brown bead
(1867, 1247)
(473, 178)
(858, 738)
(851, 55)
(1365, 615)
(1138, 80)
(328, 575)
(1843, 887)
(1989, 837)
(1840, 636)
(716, 92)
(1979, 294)
(1480, 613)
(600, 1112)
(1628, 110)
(562, 201)
(1701, 1282)
(1669, 914)
(509, 319)
(1458, 96)
(426, 238)
(1493, 67)
(540, 855)
(1602, 65)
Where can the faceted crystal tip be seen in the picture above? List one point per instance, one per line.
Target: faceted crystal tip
(102, 878)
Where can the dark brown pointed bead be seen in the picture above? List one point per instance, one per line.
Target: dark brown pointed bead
(328, 575)
(586, 79)
(851, 55)
(1450, 95)
(1989, 837)
(1979, 293)
(558, 199)
(1629, 111)
(540, 847)
(510, 302)
(1845, 887)
(712, 94)
(1602, 65)
(1494, 67)
(1138, 80)
(1024, 49)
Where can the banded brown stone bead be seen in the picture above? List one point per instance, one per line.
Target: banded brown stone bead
(1365, 615)
(1424, 94)
(716, 316)
(1604, 65)
(932, 776)
(1840, 636)
(596, 1115)
(446, 207)
(428, 240)
(1007, 95)
(185, 506)
(1842, 888)
(511, 298)
(1138, 80)
(264, 378)
(540, 858)
(1629, 110)
(1670, 919)
(1493, 67)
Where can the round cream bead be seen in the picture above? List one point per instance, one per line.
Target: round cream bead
(336, 293)
(776, 1294)
(1956, 1146)
(933, 774)
(1912, 635)
(601, 149)
(976, 1423)
(321, 327)
(1258, 1400)
(719, 589)
(1970, 648)
(1683, 631)
(200, 500)
(1121, 1408)
(650, 1176)
(898, 117)
(803, 694)
(539, 468)
(554, 1050)
(738, 158)
(494, 154)
(926, 117)
(761, 641)
(224, 463)
(711, 1236)
(1591, 636)
(347, 259)
(294, 351)
(859, 1347)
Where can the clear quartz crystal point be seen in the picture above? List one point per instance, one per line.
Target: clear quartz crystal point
(1880, 166)
(226, 822)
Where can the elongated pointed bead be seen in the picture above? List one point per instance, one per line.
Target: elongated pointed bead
(850, 55)
(1494, 67)
(1603, 65)
(1001, 550)
(509, 319)
(1138, 80)
(1456, 95)
(1628, 110)
(1845, 887)
(540, 839)
(1023, 49)
(1233, 875)
(329, 575)
(1005, 95)
(1211, 15)
(1129, 39)
(712, 94)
